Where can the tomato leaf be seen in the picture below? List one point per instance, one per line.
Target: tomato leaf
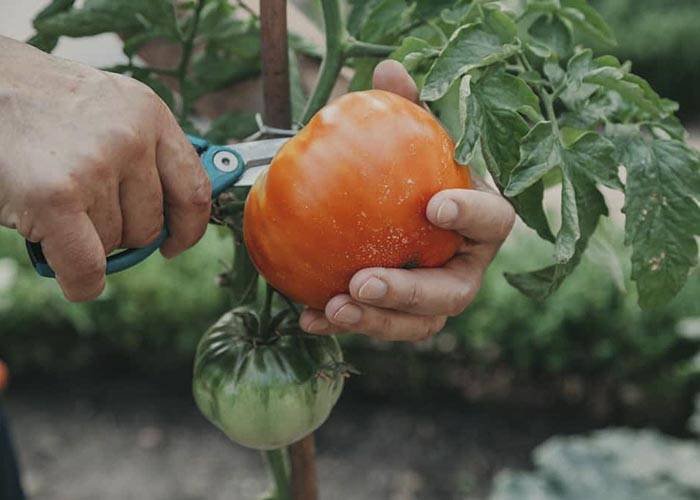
(470, 47)
(540, 284)
(663, 216)
(553, 36)
(359, 10)
(587, 19)
(492, 121)
(385, 20)
(585, 155)
(102, 16)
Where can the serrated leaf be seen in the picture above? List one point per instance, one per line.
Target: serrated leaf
(414, 53)
(426, 9)
(539, 153)
(103, 16)
(47, 43)
(385, 20)
(490, 110)
(663, 216)
(470, 47)
(359, 10)
(589, 20)
(552, 32)
(540, 284)
(585, 158)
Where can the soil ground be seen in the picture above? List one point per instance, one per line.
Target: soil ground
(124, 440)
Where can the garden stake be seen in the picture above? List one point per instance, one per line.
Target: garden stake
(278, 113)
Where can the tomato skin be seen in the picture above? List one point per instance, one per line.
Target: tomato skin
(265, 396)
(350, 192)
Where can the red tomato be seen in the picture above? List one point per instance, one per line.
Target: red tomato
(350, 192)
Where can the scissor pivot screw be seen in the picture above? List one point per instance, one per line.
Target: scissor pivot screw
(225, 161)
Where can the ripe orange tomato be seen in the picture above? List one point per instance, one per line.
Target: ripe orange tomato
(350, 192)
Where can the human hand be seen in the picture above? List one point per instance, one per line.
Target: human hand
(412, 305)
(91, 162)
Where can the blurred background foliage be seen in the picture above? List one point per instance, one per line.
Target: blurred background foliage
(662, 39)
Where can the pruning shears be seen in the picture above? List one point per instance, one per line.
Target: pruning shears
(227, 166)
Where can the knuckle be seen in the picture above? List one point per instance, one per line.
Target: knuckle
(200, 196)
(144, 237)
(412, 298)
(55, 194)
(384, 326)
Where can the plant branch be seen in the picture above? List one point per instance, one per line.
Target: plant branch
(355, 48)
(277, 463)
(547, 98)
(336, 40)
(187, 47)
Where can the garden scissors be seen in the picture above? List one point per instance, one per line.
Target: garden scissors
(226, 166)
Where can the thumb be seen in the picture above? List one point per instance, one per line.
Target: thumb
(391, 76)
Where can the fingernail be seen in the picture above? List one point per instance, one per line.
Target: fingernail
(373, 289)
(317, 325)
(447, 212)
(348, 314)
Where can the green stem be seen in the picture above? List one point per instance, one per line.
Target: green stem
(355, 48)
(336, 40)
(243, 275)
(187, 47)
(266, 312)
(547, 99)
(277, 463)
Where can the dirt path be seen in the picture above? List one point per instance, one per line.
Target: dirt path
(122, 441)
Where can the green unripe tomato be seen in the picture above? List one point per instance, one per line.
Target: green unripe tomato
(265, 395)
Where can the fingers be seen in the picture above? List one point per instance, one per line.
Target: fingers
(74, 251)
(481, 216)
(345, 314)
(186, 188)
(381, 324)
(446, 291)
(141, 199)
(314, 321)
(391, 76)
(106, 214)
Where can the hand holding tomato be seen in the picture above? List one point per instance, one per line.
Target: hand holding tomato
(413, 304)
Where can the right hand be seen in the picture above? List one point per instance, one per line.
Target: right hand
(91, 162)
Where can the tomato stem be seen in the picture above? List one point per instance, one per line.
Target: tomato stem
(265, 315)
(336, 40)
(278, 465)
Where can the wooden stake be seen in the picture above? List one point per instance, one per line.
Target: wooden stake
(275, 63)
(278, 113)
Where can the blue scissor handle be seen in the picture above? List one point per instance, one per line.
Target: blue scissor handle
(224, 166)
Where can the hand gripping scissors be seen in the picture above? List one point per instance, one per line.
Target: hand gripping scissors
(227, 166)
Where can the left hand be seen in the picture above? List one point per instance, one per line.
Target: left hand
(412, 305)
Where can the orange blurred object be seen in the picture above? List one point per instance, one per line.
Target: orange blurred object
(4, 375)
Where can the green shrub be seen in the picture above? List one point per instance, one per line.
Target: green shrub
(617, 464)
(153, 315)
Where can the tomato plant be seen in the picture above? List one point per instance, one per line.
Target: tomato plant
(523, 100)
(349, 192)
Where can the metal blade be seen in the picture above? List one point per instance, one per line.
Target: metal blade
(258, 153)
(250, 175)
